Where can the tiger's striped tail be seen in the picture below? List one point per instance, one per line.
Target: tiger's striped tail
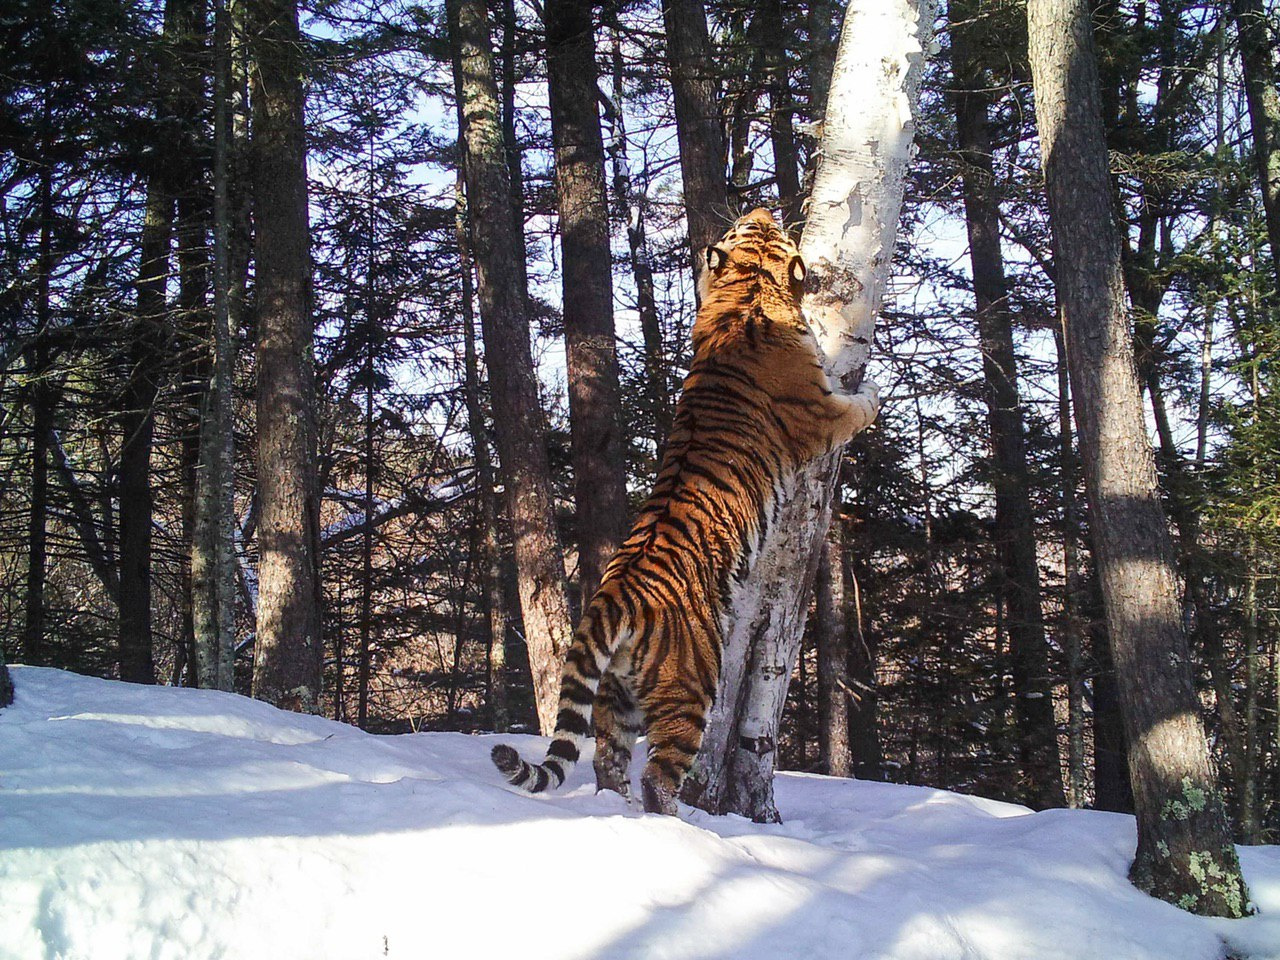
(593, 645)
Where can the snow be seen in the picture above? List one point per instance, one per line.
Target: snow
(154, 822)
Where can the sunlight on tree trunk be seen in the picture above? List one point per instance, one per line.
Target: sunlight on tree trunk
(1185, 854)
(520, 426)
(866, 147)
(288, 658)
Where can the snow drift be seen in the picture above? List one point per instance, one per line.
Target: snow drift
(152, 822)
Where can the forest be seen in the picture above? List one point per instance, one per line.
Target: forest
(338, 340)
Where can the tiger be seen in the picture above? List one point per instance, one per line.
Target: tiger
(756, 406)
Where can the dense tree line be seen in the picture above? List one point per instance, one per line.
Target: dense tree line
(337, 339)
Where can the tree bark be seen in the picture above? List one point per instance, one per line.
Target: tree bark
(698, 131)
(1015, 537)
(848, 245)
(288, 659)
(863, 655)
(137, 423)
(782, 138)
(495, 606)
(511, 140)
(1111, 787)
(630, 202)
(517, 414)
(213, 550)
(830, 638)
(40, 395)
(1072, 632)
(1184, 851)
(1257, 48)
(595, 407)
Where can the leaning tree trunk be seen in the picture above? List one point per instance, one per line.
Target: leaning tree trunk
(595, 406)
(1185, 854)
(518, 418)
(288, 659)
(1041, 784)
(848, 245)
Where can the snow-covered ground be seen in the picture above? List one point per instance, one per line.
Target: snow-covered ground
(152, 822)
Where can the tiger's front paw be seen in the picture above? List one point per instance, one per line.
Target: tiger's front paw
(867, 402)
(871, 392)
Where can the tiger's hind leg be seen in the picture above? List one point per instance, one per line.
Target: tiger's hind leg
(675, 716)
(617, 721)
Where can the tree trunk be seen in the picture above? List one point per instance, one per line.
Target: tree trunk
(630, 201)
(517, 413)
(1014, 525)
(40, 395)
(494, 597)
(510, 139)
(1184, 851)
(595, 408)
(830, 638)
(6, 683)
(1257, 48)
(863, 655)
(786, 158)
(702, 159)
(1111, 788)
(137, 422)
(1072, 632)
(1248, 779)
(848, 245)
(824, 32)
(366, 540)
(213, 551)
(288, 659)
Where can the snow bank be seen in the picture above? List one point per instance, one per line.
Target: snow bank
(152, 822)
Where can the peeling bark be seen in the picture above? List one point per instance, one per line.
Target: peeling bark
(848, 245)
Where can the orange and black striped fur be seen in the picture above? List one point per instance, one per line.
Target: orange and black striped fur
(756, 406)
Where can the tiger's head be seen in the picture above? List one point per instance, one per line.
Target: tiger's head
(754, 246)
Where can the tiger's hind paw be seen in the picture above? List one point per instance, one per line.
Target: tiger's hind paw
(659, 797)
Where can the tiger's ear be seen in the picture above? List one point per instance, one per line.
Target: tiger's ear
(797, 270)
(716, 257)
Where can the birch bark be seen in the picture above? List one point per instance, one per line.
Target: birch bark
(866, 146)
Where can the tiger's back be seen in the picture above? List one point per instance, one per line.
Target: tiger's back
(756, 406)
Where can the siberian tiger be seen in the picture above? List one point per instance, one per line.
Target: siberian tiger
(756, 405)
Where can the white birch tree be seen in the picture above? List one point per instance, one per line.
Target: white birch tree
(866, 146)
